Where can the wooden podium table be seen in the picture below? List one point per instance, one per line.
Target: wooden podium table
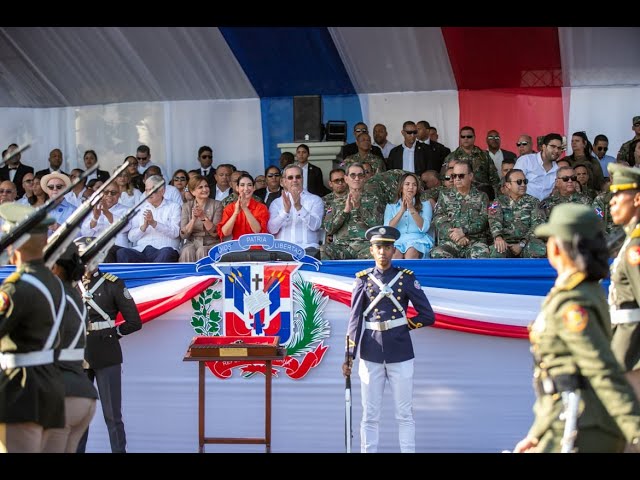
(267, 359)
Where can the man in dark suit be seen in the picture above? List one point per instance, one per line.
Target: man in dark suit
(273, 189)
(90, 158)
(205, 157)
(14, 170)
(441, 150)
(311, 175)
(495, 152)
(352, 148)
(55, 162)
(411, 155)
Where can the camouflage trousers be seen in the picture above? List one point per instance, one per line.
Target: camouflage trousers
(450, 249)
(535, 248)
(347, 251)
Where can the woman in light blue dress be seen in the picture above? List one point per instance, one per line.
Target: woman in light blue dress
(412, 217)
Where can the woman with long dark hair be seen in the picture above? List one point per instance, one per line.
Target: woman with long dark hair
(584, 402)
(582, 152)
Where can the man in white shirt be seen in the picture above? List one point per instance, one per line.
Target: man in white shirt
(380, 139)
(171, 193)
(496, 153)
(223, 179)
(143, 154)
(107, 211)
(296, 216)
(540, 168)
(154, 230)
(79, 193)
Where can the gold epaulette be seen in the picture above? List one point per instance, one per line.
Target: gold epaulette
(14, 277)
(110, 277)
(363, 272)
(636, 232)
(406, 270)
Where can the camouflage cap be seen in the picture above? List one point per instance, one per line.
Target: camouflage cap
(568, 219)
(636, 119)
(13, 213)
(623, 177)
(382, 234)
(82, 243)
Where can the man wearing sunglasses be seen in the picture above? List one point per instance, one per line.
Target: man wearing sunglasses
(600, 149)
(484, 170)
(14, 170)
(273, 189)
(205, 158)
(623, 153)
(352, 148)
(565, 192)
(525, 145)
(495, 152)
(411, 155)
(53, 184)
(512, 220)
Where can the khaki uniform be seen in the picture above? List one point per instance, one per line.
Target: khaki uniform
(570, 345)
(468, 212)
(514, 221)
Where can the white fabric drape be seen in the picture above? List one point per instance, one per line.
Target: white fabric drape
(394, 59)
(440, 109)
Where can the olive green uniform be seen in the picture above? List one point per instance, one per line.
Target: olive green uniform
(570, 344)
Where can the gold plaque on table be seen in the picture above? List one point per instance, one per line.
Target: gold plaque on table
(233, 352)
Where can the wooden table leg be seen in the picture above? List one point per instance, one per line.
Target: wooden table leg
(267, 413)
(201, 366)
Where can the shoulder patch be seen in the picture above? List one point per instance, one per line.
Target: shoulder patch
(127, 294)
(5, 302)
(636, 232)
(633, 255)
(13, 278)
(110, 277)
(575, 318)
(362, 273)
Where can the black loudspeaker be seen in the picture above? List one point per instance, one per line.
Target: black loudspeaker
(307, 118)
(336, 131)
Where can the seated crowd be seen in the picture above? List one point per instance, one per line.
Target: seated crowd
(465, 203)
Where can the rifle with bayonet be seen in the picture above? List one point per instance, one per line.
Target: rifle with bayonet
(26, 225)
(67, 232)
(17, 151)
(107, 238)
(348, 421)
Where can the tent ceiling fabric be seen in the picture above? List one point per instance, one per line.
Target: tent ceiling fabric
(395, 59)
(100, 65)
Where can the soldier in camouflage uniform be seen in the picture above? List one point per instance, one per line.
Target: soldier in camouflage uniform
(582, 172)
(603, 210)
(339, 189)
(484, 170)
(364, 155)
(350, 217)
(564, 192)
(512, 220)
(433, 194)
(570, 346)
(461, 218)
(385, 185)
(623, 154)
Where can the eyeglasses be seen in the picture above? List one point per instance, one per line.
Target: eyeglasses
(522, 144)
(466, 136)
(520, 181)
(142, 159)
(447, 178)
(294, 177)
(337, 180)
(179, 179)
(636, 124)
(493, 137)
(271, 175)
(602, 149)
(30, 180)
(573, 178)
(111, 193)
(206, 156)
(361, 130)
(411, 132)
(8, 190)
(458, 175)
(55, 187)
(356, 175)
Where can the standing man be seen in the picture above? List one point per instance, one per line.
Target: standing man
(352, 148)
(380, 140)
(624, 292)
(205, 157)
(623, 154)
(495, 152)
(105, 296)
(411, 156)
(14, 170)
(143, 154)
(600, 148)
(379, 325)
(55, 164)
(32, 304)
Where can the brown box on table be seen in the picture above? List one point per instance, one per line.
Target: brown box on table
(234, 346)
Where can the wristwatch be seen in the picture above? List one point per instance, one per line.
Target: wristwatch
(523, 243)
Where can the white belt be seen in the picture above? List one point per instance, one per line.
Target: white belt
(631, 315)
(29, 359)
(94, 326)
(71, 354)
(386, 325)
